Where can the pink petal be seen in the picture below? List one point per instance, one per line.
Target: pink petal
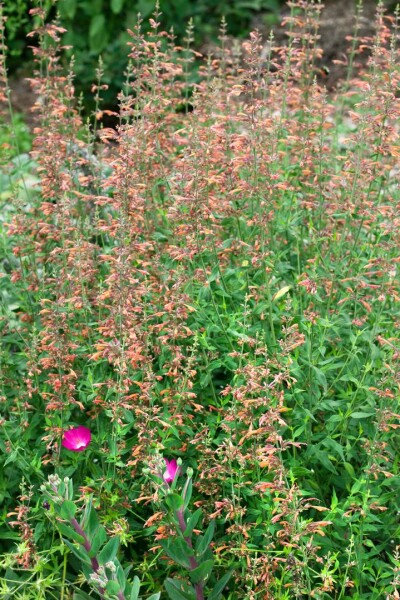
(77, 438)
(172, 470)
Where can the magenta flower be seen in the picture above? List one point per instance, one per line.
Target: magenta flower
(172, 470)
(77, 438)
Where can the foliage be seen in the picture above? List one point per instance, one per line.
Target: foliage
(99, 27)
(211, 288)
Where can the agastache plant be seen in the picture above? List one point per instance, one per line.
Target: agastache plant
(191, 552)
(87, 540)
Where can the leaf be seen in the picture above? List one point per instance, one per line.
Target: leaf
(135, 588)
(120, 575)
(98, 37)
(282, 292)
(320, 377)
(188, 494)
(178, 550)
(178, 590)
(67, 510)
(154, 596)
(350, 470)
(201, 573)
(109, 552)
(333, 445)
(219, 586)
(97, 540)
(192, 522)
(92, 524)
(67, 8)
(112, 587)
(204, 540)
(68, 532)
(361, 415)
(78, 552)
(116, 6)
(174, 502)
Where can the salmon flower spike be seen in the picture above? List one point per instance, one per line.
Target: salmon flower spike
(77, 438)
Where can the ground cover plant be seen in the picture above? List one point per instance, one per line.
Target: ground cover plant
(200, 325)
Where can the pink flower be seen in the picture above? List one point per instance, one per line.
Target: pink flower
(172, 470)
(77, 438)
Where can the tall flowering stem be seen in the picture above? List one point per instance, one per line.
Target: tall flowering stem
(194, 554)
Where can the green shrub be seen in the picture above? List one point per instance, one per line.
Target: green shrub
(99, 27)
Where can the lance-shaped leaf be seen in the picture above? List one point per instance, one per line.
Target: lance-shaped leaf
(67, 510)
(219, 586)
(201, 573)
(203, 541)
(70, 533)
(178, 590)
(192, 522)
(109, 552)
(178, 550)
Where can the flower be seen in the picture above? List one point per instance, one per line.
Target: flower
(172, 470)
(77, 438)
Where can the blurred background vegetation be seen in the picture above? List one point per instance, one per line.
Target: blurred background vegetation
(99, 27)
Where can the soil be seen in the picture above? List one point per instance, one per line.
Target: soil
(336, 22)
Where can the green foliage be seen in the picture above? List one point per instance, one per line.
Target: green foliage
(87, 541)
(220, 287)
(97, 27)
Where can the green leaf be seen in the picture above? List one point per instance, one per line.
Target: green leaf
(116, 6)
(97, 540)
(135, 588)
(334, 445)
(188, 493)
(67, 8)
(67, 510)
(68, 532)
(178, 550)
(86, 513)
(174, 501)
(112, 587)
(201, 573)
(109, 552)
(78, 552)
(282, 292)
(361, 415)
(350, 470)
(219, 586)
(178, 590)
(92, 523)
(121, 575)
(204, 540)
(154, 596)
(192, 522)
(98, 36)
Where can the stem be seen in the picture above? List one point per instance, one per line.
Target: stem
(87, 545)
(192, 561)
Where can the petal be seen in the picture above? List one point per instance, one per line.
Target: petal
(77, 438)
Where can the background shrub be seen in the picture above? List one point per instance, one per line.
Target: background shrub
(97, 27)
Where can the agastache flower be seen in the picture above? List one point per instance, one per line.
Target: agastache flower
(172, 471)
(77, 438)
